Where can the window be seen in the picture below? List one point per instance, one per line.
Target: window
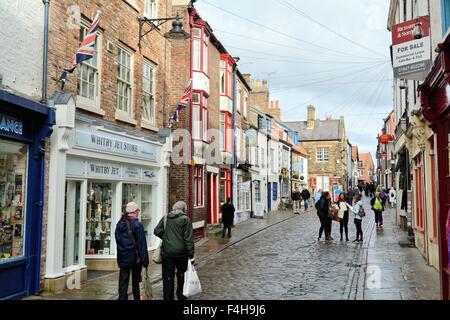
(225, 185)
(238, 100)
(226, 77)
(445, 9)
(243, 194)
(199, 117)
(275, 191)
(269, 125)
(150, 9)
(142, 195)
(257, 185)
(89, 74)
(198, 186)
(245, 104)
(124, 82)
(13, 173)
(200, 50)
(148, 93)
(226, 131)
(322, 155)
(99, 219)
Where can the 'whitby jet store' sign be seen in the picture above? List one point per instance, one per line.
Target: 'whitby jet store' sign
(411, 57)
(115, 144)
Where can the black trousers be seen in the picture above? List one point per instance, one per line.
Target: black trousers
(359, 232)
(329, 223)
(378, 217)
(225, 228)
(344, 225)
(323, 224)
(170, 266)
(124, 279)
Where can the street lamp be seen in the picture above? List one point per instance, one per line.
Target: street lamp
(418, 30)
(176, 33)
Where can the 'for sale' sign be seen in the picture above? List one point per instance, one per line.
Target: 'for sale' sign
(411, 56)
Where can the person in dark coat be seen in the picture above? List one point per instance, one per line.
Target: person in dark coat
(323, 207)
(227, 217)
(132, 251)
(177, 247)
(296, 198)
(306, 195)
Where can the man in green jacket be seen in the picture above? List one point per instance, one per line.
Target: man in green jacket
(177, 247)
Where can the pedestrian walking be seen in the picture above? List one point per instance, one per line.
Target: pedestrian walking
(176, 249)
(227, 217)
(392, 197)
(358, 214)
(132, 251)
(367, 189)
(296, 198)
(378, 207)
(323, 207)
(343, 215)
(306, 195)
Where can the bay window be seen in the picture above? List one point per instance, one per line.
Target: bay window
(226, 77)
(198, 186)
(226, 131)
(199, 117)
(200, 50)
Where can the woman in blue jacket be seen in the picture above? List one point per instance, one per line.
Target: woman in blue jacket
(132, 251)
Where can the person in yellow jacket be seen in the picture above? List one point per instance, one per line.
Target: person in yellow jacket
(377, 204)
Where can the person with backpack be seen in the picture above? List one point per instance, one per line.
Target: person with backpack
(323, 207)
(306, 195)
(378, 207)
(132, 251)
(177, 247)
(358, 214)
(392, 197)
(296, 198)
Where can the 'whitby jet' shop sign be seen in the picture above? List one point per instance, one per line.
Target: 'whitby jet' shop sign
(10, 126)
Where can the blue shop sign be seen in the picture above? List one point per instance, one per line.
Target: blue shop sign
(10, 126)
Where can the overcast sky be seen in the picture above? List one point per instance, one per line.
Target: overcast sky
(309, 64)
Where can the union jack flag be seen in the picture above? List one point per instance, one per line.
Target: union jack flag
(86, 50)
(183, 104)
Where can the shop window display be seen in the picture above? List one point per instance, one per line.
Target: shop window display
(13, 163)
(142, 195)
(98, 220)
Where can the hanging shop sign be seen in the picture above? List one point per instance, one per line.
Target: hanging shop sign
(411, 49)
(100, 141)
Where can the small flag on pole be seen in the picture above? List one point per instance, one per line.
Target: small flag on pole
(183, 104)
(85, 52)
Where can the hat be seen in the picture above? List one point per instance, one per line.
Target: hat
(132, 207)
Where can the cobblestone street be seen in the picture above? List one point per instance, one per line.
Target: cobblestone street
(287, 262)
(280, 258)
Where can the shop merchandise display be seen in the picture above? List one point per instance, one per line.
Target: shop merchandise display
(98, 222)
(12, 168)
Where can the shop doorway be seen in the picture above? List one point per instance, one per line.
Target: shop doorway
(212, 199)
(269, 196)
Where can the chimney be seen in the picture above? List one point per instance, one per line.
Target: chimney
(311, 117)
(275, 110)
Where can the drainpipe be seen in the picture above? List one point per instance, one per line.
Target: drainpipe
(234, 165)
(45, 58)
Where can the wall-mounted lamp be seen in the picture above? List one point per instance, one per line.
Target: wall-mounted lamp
(418, 30)
(176, 33)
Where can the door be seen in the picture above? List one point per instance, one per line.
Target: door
(269, 197)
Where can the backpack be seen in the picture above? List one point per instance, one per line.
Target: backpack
(361, 212)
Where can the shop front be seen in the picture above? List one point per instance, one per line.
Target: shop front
(435, 95)
(24, 126)
(96, 168)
